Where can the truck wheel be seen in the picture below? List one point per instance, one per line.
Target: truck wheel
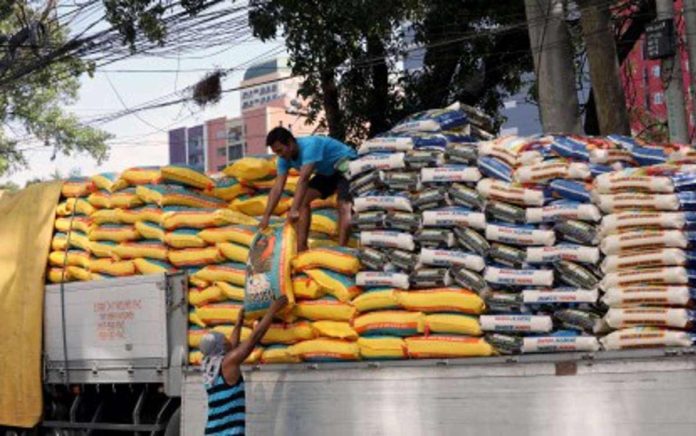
(174, 424)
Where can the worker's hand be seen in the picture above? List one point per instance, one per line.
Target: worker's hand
(278, 304)
(264, 222)
(240, 317)
(293, 216)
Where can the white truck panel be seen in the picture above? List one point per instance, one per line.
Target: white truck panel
(108, 320)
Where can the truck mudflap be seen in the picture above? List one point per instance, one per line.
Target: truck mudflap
(637, 392)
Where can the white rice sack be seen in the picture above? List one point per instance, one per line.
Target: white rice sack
(569, 252)
(640, 259)
(643, 239)
(553, 169)
(454, 216)
(382, 279)
(648, 296)
(555, 344)
(616, 202)
(674, 275)
(618, 222)
(609, 183)
(380, 161)
(518, 277)
(386, 144)
(563, 210)
(387, 239)
(644, 337)
(382, 202)
(498, 150)
(560, 295)
(450, 173)
(610, 156)
(517, 235)
(498, 190)
(618, 318)
(516, 323)
(449, 258)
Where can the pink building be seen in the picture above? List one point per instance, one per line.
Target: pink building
(645, 95)
(216, 144)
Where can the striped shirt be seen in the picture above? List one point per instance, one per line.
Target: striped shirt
(226, 408)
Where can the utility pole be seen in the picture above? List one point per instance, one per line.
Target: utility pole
(609, 98)
(674, 91)
(690, 21)
(553, 63)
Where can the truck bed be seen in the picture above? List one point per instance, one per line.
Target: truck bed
(638, 392)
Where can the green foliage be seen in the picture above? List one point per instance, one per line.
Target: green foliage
(9, 186)
(34, 102)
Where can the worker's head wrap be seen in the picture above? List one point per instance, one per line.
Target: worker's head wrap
(212, 346)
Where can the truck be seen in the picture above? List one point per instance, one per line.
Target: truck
(115, 362)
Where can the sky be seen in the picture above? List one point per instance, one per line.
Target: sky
(142, 140)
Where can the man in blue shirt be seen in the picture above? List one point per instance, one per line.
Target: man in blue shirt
(322, 162)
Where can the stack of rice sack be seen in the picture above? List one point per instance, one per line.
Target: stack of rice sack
(542, 245)
(647, 242)
(415, 199)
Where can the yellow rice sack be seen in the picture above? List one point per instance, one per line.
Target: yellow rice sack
(324, 203)
(100, 199)
(451, 324)
(138, 214)
(184, 238)
(117, 268)
(442, 300)
(251, 168)
(324, 221)
(254, 357)
(194, 335)
(148, 248)
(382, 347)
(125, 199)
(74, 258)
(74, 206)
(230, 216)
(105, 181)
(201, 297)
(389, 323)
(142, 175)
(233, 273)
(231, 292)
(256, 205)
(340, 286)
(194, 319)
(195, 256)
(195, 358)
(218, 313)
(226, 329)
(269, 270)
(335, 329)
(326, 350)
(77, 239)
(77, 222)
(203, 218)
(114, 232)
(77, 187)
(105, 216)
(228, 189)
(436, 346)
(339, 259)
(80, 274)
(313, 243)
(234, 252)
(279, 354)
(377, 299)
(152, 266)
(166, 195)
(103, 249)
(150, 230)
(326, 308)
(303, 287)
(238, 234)
(186, 175)
(289, 333)
(58, 275)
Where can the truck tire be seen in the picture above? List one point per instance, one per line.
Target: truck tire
(174, 424)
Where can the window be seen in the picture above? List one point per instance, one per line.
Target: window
(658, 98)
(234, 152)
(656, 71)
(222, 152)
(220, 134)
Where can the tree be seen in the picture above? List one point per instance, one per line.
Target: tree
(9, 187)
(33, 103)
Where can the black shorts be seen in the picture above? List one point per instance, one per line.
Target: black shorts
(333, 184)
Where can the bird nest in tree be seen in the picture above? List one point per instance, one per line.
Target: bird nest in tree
(209, 89)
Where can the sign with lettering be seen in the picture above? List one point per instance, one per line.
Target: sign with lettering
(659, 39)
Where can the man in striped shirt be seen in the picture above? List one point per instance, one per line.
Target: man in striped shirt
(222, 374)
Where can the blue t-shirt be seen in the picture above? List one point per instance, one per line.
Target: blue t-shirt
(322, 151)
